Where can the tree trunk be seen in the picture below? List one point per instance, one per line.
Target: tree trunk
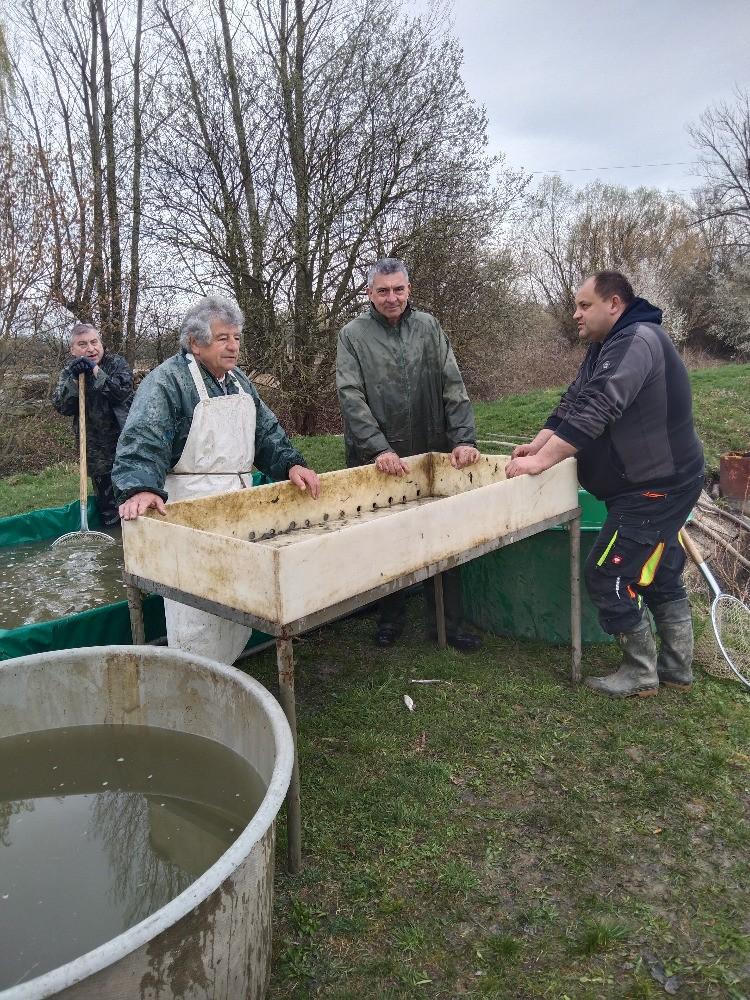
(115, 253)
(135, 224)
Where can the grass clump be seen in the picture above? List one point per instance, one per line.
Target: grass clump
(598, 934)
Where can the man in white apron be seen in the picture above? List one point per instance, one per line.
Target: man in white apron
(197, 426)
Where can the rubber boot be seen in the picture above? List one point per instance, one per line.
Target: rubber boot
(637, 675)
(674, 623)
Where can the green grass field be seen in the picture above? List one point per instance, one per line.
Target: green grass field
(513, 838)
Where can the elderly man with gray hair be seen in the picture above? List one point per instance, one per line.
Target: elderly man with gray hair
(108, 391)
(197, 426)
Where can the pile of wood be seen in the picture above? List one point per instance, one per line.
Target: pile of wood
(724, 537)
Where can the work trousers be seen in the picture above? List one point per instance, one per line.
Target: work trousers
(637, 557)
(105, 499)
(392, 609)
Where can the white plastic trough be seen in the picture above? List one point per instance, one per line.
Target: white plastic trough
(275, 553)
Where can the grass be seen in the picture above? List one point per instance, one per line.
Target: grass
(513, 838)
(53, 487)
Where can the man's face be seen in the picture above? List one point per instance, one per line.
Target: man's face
(223, 352)
(595, 316)
(87, 345)
(389, 293)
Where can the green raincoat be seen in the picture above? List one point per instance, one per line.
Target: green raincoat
(157, 428)
(399, 388)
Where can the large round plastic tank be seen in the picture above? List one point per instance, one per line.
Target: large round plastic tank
(214, 939)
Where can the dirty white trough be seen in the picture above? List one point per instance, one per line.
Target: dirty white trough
(275, 559)
(275, 553)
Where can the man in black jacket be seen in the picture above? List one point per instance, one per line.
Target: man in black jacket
(628, 418)
(109, 392)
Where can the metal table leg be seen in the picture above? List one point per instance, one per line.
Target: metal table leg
(440, 610)
(135, 607)
(575, 599)
(285, 662)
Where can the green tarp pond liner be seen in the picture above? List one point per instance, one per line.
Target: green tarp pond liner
(523, 589)
(106, 625)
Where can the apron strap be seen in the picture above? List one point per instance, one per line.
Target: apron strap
(200, 385)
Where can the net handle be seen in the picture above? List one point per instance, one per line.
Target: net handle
(83, 469)
(697, 556)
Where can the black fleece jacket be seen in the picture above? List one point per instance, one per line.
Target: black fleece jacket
(629, 411)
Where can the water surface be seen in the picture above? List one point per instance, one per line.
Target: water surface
(41, 582)
(101, 826)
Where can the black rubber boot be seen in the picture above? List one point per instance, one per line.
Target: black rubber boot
(674, 623)
(637, 675)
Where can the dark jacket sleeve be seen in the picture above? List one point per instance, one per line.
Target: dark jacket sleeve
(144, 449)
(459, 416)
(274, 452)
(116, 384)
(621, 370)
(361, 426)
(65, 395)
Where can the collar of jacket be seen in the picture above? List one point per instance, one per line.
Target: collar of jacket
(379, 318)
(639, 311)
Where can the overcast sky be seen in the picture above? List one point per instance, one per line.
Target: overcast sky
(572, 84)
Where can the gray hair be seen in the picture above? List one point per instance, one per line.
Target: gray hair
(197, 322)
(79, 329)
(387, 265)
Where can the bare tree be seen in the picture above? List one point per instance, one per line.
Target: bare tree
(24, 236)
(570, 234)
(722, 138)
(6, 69)
(81, 100)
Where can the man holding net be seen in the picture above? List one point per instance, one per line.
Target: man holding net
(109, 392)
(628, 418)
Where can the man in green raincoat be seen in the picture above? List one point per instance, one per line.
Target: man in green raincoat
(401, 393)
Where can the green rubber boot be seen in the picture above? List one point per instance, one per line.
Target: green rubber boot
(637, 675)
(674, 623)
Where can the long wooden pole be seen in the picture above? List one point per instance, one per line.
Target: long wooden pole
(285, 662)
(83, 469)
(575, 599)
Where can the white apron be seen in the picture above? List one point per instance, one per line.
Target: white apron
(217, 458)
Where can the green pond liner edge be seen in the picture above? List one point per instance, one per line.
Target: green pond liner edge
(523, 590)
(106, 625)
